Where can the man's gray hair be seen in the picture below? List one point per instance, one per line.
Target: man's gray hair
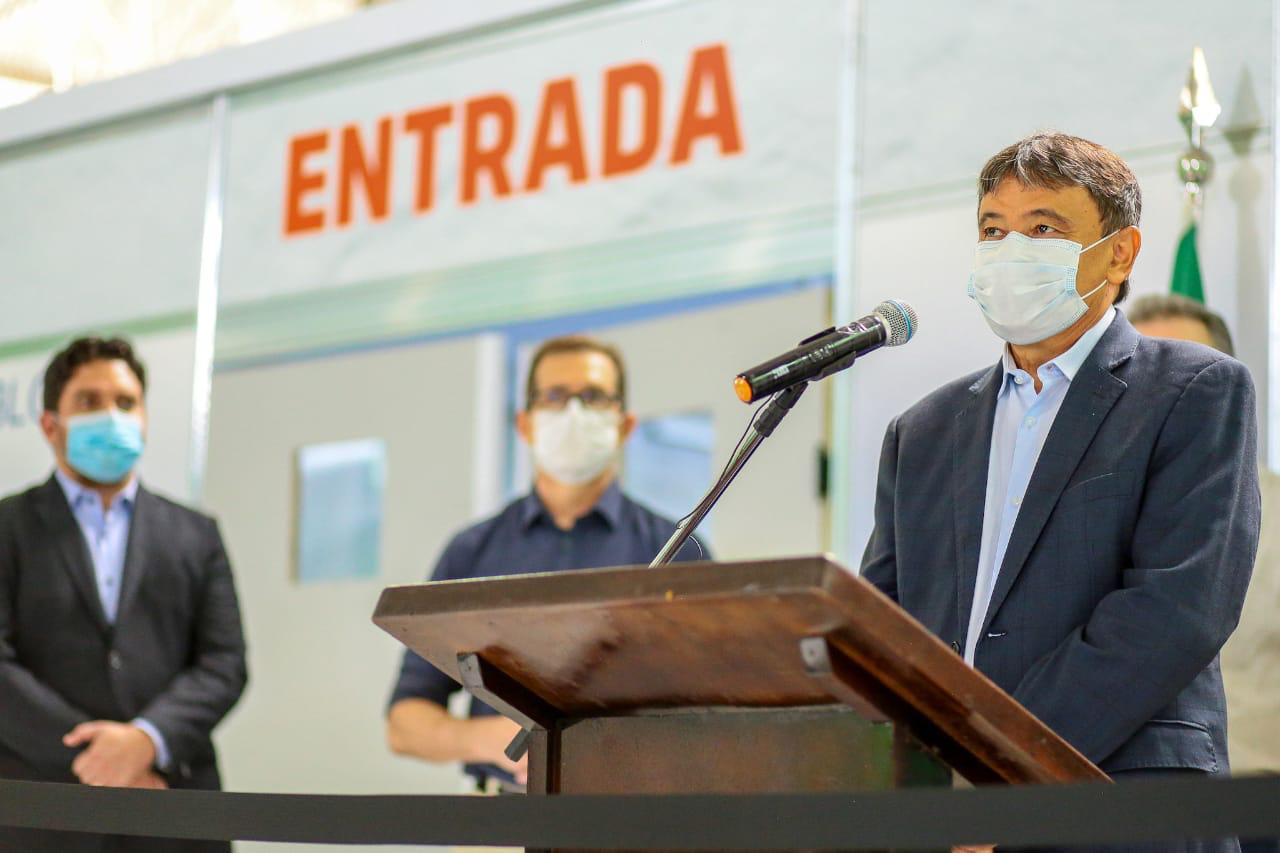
(1160, 306)
(1054, 160)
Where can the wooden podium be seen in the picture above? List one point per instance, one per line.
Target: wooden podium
(768, 676)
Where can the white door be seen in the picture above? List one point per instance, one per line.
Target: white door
(320, 672)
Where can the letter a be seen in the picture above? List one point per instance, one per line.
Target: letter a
(709, 66)
(558, 97)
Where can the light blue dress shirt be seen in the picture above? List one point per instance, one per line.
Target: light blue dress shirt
(106, 535)
(1022, 422)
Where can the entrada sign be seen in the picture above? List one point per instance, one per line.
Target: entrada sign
(319, 197)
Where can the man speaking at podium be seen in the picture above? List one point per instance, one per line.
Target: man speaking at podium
(576, 517)
(1079, 521)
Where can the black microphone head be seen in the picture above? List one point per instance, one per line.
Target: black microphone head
(899, 320)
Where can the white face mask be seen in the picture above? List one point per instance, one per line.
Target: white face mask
(1026, 287)
(575, 445)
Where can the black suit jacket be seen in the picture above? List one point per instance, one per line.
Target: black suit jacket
(175, 655)
(1127, 566)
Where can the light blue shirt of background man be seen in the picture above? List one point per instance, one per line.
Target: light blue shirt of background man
(106, 535)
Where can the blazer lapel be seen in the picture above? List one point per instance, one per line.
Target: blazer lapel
(1093, 392)
(140, 543)
(69, 542)
(970, 457)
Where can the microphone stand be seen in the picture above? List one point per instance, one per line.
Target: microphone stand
(761, 428)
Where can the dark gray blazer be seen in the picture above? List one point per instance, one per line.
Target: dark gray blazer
(1127, 567)
(176, 654)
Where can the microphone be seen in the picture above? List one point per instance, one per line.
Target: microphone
(892, 323)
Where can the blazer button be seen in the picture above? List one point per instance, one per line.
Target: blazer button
(955, 646)
(114, 661)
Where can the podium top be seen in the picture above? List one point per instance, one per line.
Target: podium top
(693, 634)
(608, 641)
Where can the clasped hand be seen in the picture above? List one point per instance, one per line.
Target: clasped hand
(117, 755)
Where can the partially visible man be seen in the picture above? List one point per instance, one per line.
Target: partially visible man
(575, 423)
(1080, 519)
(1180, 319)
(1251, 658)
(120, 636)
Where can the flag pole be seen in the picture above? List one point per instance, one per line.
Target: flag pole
(1198, 109)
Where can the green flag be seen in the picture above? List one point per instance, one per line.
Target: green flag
(1186, 267)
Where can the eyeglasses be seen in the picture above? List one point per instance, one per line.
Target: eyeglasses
(557, 397)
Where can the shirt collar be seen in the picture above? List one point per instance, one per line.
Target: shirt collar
(77, 494)
(608, 507)
(1070, 362)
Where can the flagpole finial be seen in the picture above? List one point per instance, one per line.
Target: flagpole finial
(1198, 109)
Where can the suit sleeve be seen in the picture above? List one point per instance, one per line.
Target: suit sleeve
(33, 716)
(196, 700)
(879, 560)
(1194, 543)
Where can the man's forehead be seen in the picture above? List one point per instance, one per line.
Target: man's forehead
(576, 366)
(1177, 327)
(104, 373)
(1012, 198)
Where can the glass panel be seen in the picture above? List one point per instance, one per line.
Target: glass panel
(340, 499)
(668, 465)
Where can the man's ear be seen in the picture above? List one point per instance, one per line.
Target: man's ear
(524, 425)
(628, 426)
(49, 426)
(1124, 252)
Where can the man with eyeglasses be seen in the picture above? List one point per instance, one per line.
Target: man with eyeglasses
(576, 517)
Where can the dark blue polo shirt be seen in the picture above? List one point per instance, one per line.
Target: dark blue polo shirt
(523, 539)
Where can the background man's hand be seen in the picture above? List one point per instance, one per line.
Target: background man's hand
(118, 754)
(490, 737)
(151, 780)
(424, 729)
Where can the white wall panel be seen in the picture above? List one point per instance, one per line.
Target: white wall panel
(321, 673)
(947, 84)
(103, 226)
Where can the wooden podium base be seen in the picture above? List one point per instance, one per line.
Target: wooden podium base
(827, 748)
(824, 748)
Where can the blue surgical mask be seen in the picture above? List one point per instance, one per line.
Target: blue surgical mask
(104, 446)
(1026, 287)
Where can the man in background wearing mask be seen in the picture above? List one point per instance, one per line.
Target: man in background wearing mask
(1079, 521)
(120, 637)
(576, 517)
